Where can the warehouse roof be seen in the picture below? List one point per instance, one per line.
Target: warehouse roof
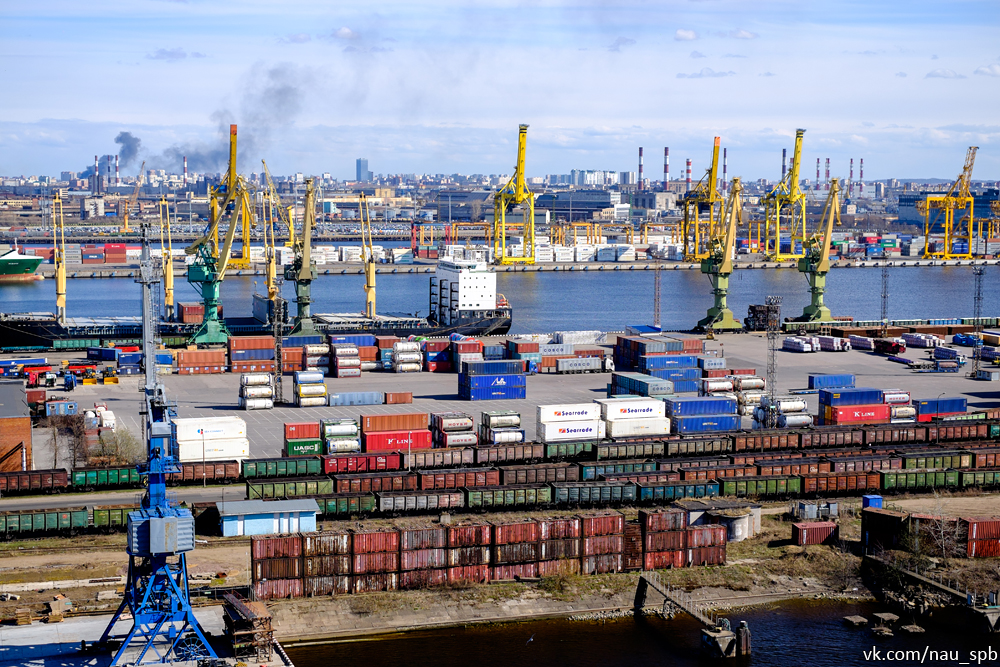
(710, 504)
(13, 402)
(244, 507)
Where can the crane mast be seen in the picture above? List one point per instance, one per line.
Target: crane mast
(59, 256)
(167, 258)
(368, 255)
(957, 199)
(785, 210)
(515, 193)
(718, 266)
(815, 263)
(133, 198)
(303, 270)
(697, 232)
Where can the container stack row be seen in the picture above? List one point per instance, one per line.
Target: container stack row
(699, 414)
(492, 380)
(397, 432)
(345, 360)
(453, 429)
(340, 436)
(309, 388)
(500, 427)
(256, 391)
(569, 422)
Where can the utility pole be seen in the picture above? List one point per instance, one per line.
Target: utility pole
(977, 313)
(279, 329)
(773, 332)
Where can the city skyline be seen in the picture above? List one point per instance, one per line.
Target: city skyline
(440, 87)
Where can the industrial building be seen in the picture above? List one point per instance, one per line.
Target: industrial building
(15, 427)
(272, 517)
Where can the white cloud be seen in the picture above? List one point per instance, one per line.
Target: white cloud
(944, 74)
(988, 70)
(345, 33)
(685, 35)
(697, 54)
(743, 34)
(901, 75)
(617, 45)
(171, 55)
(297, 38)
(705, 73)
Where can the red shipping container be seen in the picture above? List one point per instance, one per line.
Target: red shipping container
(467, 346)
(423, 559)
(559, 529)
(583, 352)
(385, 342)
(370, 583)
(435, 345)
(983, 548)
(326, 566)
(398, 397)
(515, 571)
(437, 366)
(469, 535)
(479, 574)
(602, 564)
(555, 549)
(662, 560)
(430, 537)
(743, 371)
(417, 579)
(981, 527)
(277, 568)
(278, 589)
(201, 358)
(605, 544)
(714, 373)
(858, 414)
(35, 395)
(707, 556)
(521, 552)
(816, 532)
(666, 541)
(603, 523)
(522, 346)
(397, 440)
(375, 541)
(705, 536)
(301, 430)
(251, 343)
(512, 533)
(275, 546)
(368, 353)
(552, 568)
(369, 563)
(326, 585)
(462, 556)
(339, 463)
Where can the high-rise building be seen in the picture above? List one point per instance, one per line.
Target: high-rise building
(363, 174)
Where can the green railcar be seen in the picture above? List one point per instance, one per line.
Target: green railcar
(279, 489)
(518, 495)
(771, 486)
(50, 521)
(637, 450)
(658, 491)
(105, 478)
(593, 471)
(282, 467)
(111, 518)
(573, 493)
(698, 446)
(905, 480)
(983, 478)
(937, 460)
(567, 450)
(346, 505)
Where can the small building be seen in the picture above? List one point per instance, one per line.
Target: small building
(15, 427)
(267, 517)
(741, 518)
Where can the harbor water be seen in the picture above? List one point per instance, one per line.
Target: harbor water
(554, 301)
(793, 633)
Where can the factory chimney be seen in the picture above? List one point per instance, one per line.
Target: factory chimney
(828, 173)
(688, 176)
(784, 162)
(850, 180)
(817, 174)
(640, 167)
(97, 177)
(666, 169)
(861, 174)
(109, 171)
(118, 180)
(725, 163)
(185, 171)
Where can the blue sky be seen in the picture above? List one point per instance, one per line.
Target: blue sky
(440, 87)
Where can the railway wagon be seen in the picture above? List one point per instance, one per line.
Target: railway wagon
(281, 489)
(514, 453)
(626, 450)
(593, 493)
(557, 451)
(905, 480)
(660, 491)
(14, 525)
(345, 505)
(894, 434)
(508, 497)
(836, 436)
(540, 473)
(592, 471)
(866, 463)
(933, 460)
(399, 502)
(90, 479)
(774, 486)
(34, 481)
(949, 431)
(298, 466)
(840, 482)
(373, 482)
(451, 457)
(458, 478)
(766, 440)
(798, 466)
(982, 478)
(374, 462)
(717, 472)
(209, 471)
(107, 519)
(643, 477)
(698, 446)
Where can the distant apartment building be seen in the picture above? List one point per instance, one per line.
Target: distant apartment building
(361, 171)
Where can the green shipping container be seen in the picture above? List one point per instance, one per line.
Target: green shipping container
(342, 505)
(303, 447)
(565, 450)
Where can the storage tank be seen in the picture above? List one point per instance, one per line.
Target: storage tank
(407, 368)
(316, 350)
(304, 390)
(903, 411)
(310, 401)
(461, 439)
(348, 362)
(332, 430)
(794, 420)
(255, 379)
(749, 383)
(405, 346)
(256, 403)
(501, 419)
(257, 392)
(406, 357)
(343, 445)
(308, 377)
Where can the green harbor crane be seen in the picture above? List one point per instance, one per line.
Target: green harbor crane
(302, 270)
(816, 260)
(718, 266)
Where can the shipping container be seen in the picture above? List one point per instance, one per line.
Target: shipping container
(818, 532)
(397, 440)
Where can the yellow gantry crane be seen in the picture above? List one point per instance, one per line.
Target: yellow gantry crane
(697, 232)
(718, 265)
(815, 262)
(59, 255)
(785, 211)
(168, 258)
(133, 199)
(958, 198)
(367, 255)
(302, 271)
(515, 193)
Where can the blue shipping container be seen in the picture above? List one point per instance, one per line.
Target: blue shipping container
(491, 393)
(300, 341)
(700, 405)
(685, 386)
(676, 374)
(37, 361)
(252, 355)
(667, 361)
(492, 367)
(826, 380)
(850, 396)
(103, 353)
(700, 423)
(164, 358)
(130, 358)
(60, 408)
(937, 406)
(480, 381)
(357, 398)
(361, 340)
(494, 351)
(871, 501)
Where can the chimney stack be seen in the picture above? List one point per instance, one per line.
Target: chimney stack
(109, 171)
(725, 163)
(118, 180)
(784, 162)
(640, 167)
(666, 169)
(817, 174)
(688, 175)
(850, 180)
(185, 171)
(828, 173)
(97, 177)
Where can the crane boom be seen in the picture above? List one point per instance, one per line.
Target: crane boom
(515, 193)
(697, 233)
(368, 255)
(133, 198)
(785, 210)
(815, 263)
(958, 198)
(303, 271)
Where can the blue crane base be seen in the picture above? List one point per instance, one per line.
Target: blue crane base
(164, 628)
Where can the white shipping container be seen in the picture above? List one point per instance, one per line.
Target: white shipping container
(310, 401)
(623, 428)
(255, 379)
(256, 403)
(613, 409)
(592, 429)
(256, 392)
(108, 420)
(304, 390)
(568, 412)
(220, 449)
(194, 429)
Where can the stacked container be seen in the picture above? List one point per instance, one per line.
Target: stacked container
(453, 429)
(277, 566)
(833, 344)
(399, 432)
(801, 344)
(791, 411)
(569, 422)
(633, 417)
(468, 552)
(559, 546)
(492, 380)
(437, 356)
(340, 436)
(706, 545)
(406, 357)
(928, 409)
(525, 350)
(603, 542)
(516, 550)
(500, 427)
(211, 439)
(861, 342)
(921, 340)
(464, 349)
(302, 439)
(664, 538)
(639, 384)
(315, 357)
(326, 563)
(423, 556)
(699, 414)
(251, 354)
(201, 362)
(346, 361)
(256, 391)
(309, 389)
(853, 405)
(374, 560)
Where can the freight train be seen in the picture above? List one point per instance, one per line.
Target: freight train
(75, 521)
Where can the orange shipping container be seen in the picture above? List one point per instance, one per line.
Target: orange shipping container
(412, 421)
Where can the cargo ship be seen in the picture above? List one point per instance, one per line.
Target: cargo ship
(463, 299)
(15, 267)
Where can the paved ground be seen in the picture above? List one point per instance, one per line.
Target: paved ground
(216, 395)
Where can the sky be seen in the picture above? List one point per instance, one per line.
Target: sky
(440, 87)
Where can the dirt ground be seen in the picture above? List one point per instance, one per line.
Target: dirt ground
(951, 505)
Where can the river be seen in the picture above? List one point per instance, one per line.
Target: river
(553, 301)
(790, 634)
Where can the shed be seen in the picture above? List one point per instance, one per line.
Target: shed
(15, 427)
(700, 512)
(267, 517)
